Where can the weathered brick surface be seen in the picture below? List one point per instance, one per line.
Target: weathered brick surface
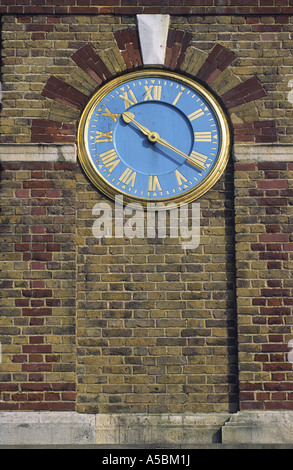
(128, 43)
(52, 132)
(37, 323)
(177, 44)
(59, 91)
(87, 59)
(141, 325)
(256, 132)
(218, 60)
(264, 283)
(155, 323)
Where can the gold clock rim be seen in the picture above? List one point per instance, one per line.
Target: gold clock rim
(189, 196)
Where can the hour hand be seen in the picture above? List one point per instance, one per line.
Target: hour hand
(129, 117)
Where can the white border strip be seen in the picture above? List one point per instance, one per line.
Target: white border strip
(68, 153)
(263, 153)
(37, 153)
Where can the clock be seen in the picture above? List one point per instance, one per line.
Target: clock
(153, 135)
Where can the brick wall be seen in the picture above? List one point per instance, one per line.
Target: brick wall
(156, 325)
(125, 326)
(264, 283)
(130, 7)
(37, 323)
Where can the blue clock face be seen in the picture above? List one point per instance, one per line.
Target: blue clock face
(153, 136)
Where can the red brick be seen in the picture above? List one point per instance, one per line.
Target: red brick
(67, 386)
(21, 247)
(8, 387)
(51, 131)
(53, 247)
(274, 237)
(22, 193)
(247, 91)
(33, 184)
(37, 348)
(22, 302)
(8, 406)
(279, 405)
(67, 396)
(37, 303)
(288, 247)
(50, 396)
(35, 387)
(218, 60)
(38, 211)
(33, 358)
(274, 302)
(38, 247)
(36, 312)
(36, 377)
(127, 41)
(63, 93)
(244, 166)
(249, 406)
(87, 59)
(280, 166)
(261, 357)
(19, 358)
(36, 339)
(277, 367)
(275, 311)
(272, 184)
(36, 368)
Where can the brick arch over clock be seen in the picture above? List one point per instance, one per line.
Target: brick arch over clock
(69, 97)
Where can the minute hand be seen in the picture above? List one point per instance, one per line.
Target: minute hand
(171, 147)
(129, 117)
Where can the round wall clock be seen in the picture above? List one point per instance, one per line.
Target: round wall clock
(152, 136)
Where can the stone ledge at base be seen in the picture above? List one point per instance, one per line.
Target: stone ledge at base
(68, 428)
(160, 429)
(46, 428)
(259, 427)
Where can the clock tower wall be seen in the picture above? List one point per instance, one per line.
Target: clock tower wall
(117, 330)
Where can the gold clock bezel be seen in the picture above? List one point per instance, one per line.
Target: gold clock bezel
(111, 191)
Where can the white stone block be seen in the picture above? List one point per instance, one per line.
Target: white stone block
(139, 429)
(37, 153)
(153, 33)
(263, 153)
(259, 427)
(46, 428)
